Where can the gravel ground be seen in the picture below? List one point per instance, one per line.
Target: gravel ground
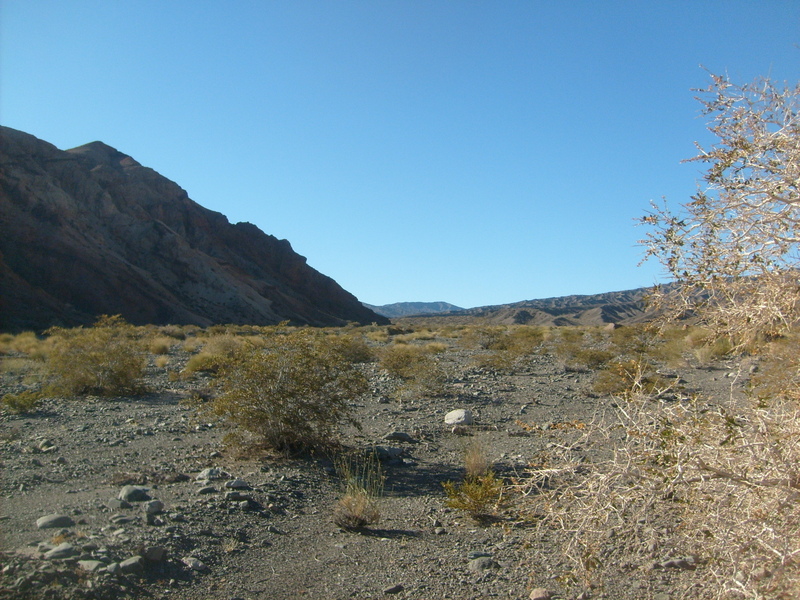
(261, 527)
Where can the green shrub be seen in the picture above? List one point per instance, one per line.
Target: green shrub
(480, 496)
(291, 395)
(106, 359)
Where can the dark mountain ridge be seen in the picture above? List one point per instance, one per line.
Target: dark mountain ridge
(90, 231)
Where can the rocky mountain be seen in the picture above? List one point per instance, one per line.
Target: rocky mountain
(90, 231)
(405, 309)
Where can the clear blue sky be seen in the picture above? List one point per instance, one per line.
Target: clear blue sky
(473, 152)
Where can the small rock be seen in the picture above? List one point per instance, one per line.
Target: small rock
(113, 568)
(117, 504)
(195, 564)
(154, 507)
(65, 550)
(211, 474)
(134, 564)
(237, 484)
(440, 531)
(50, 521)
(482, 563)
(399, 436)
(478, 554)
(540, 594)
(92, 566)
(761, 573)
(156, 554)
(459, 416)
(134, 493)
(207, 489)
(677, 563)
(395, 589)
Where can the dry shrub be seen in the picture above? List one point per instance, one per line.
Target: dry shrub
(216, 351)
(353, 348)
(362, 479)
(378, 335)
(415, 365)
(728, 474)
(192, 344)
(508, 346)
(476, 463)
(631, 378)
(160, 345)
(733, 249)
(779, 371)
(106, 359)
(23, 402)
(291, 395)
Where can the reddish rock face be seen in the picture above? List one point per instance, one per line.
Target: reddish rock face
(90, 231)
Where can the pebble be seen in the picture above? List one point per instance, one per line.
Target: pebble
(540, 594)
(207, 489)
(50, 521)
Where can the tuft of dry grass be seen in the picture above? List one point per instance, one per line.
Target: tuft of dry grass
(362, 479)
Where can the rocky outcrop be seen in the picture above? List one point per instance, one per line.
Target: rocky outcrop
(90, 231)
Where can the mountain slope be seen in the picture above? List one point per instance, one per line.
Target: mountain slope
(405, 309)
(90, 231)
(625, 307)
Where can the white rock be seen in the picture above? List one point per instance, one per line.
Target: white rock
(459, 416)
(195, 564)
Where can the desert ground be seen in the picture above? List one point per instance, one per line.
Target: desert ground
(205, 520)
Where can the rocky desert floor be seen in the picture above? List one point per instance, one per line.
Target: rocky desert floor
(147, 501)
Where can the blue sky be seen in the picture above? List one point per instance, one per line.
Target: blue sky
(472, 152)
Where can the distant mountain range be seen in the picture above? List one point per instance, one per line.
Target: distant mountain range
(406, 309)
(90, 231)
(625, 307)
